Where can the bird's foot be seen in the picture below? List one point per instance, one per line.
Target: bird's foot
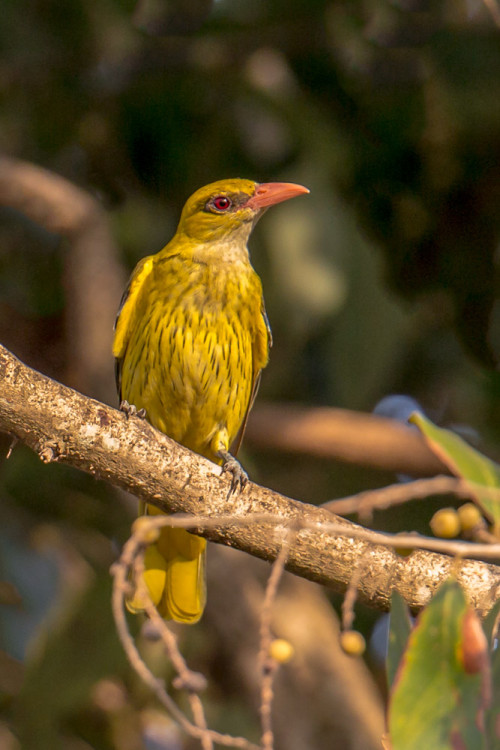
(130, 410)
(231, 465)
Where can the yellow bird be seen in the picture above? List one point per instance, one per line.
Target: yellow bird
(191, 338)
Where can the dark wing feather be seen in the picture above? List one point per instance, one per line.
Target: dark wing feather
(127, 315)
(236, 445)
(119, 360)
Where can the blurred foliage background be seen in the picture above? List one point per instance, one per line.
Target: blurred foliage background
(383, 280)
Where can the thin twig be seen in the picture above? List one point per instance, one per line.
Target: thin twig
(206, 739)
(411, 540)
(484, 536)
(131, 558)
(166, 635)
(267, 665)
(266, 701)
(191, 682)
(351, 593)
(12, 445)
(396, 494)
(121, 589)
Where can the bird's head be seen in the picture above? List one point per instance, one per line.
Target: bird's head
(228, 209)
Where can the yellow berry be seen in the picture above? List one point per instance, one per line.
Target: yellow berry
(143, 527)
(403, 551)
(352, 642)
(445, 523)
(281, 650)
(469, 516)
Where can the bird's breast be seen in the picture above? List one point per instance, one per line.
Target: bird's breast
(192, 363)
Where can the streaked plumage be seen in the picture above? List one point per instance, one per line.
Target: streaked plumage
(191, 340)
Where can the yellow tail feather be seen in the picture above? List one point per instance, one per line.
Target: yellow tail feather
(185, 588)
(155, 578)
(175, 574)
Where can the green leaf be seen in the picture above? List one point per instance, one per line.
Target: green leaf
(435, 703)
(490, 621)
(399, 632)
(464, 461)
(493, 714)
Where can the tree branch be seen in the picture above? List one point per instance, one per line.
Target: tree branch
(62, 425)
(343, 435)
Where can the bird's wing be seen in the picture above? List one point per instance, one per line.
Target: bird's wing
(128, 313)
(263, 342)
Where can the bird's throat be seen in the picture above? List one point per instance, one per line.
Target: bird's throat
(228, 251)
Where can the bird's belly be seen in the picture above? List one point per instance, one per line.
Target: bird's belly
(194, 378)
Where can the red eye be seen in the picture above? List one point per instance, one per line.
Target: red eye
(221, 203)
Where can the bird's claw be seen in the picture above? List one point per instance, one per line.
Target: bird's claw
(130, 410)
(231, 465)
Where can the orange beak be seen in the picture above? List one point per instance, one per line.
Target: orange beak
(270, 193)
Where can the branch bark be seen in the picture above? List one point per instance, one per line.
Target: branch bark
(62, 425)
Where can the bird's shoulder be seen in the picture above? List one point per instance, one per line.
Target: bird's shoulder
(130, 303)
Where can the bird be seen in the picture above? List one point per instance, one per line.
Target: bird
(191, 339)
